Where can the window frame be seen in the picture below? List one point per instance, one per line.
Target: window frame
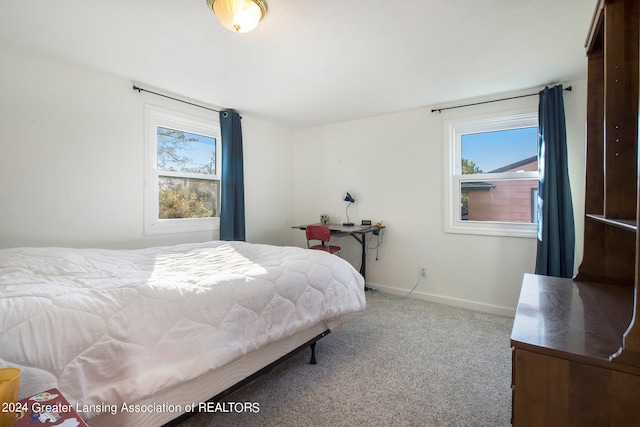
(454, 129)
(162, 117)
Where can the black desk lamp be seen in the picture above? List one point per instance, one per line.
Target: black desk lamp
(347, 198)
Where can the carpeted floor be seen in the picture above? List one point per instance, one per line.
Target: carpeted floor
(399, 363)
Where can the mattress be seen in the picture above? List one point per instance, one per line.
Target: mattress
(113, 327)
(192, 395)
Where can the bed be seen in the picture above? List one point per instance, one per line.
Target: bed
(137, 337)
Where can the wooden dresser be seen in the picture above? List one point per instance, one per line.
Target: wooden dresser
(576, 342)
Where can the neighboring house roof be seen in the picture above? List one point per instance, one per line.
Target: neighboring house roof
(515, 165)
(476, 185)
(481, 185)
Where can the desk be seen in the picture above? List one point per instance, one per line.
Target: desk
(357, 232)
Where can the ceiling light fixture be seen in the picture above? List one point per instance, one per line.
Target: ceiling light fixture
(239, 16)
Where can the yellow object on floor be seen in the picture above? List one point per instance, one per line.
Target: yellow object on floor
(9, 385)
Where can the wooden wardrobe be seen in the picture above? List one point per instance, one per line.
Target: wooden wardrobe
(576, 342)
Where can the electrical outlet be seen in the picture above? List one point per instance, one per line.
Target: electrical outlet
(423, 271)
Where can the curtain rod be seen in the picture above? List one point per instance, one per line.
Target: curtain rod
(440, 110)
(139, 89)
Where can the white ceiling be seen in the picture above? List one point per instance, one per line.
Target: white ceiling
(313, 62)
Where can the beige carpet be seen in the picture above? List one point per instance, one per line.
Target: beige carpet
(398, 363)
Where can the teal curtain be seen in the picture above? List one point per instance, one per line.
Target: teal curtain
(556, 231)
(232, 217)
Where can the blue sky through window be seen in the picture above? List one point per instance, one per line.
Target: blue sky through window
(195, 152)
(493, 150)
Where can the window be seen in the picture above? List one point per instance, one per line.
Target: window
(492, 181)
(182, 171)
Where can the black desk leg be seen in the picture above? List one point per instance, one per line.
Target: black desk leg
(363, 263)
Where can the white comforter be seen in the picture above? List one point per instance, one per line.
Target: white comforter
(116, 326)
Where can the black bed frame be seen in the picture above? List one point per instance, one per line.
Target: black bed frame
(220, 396)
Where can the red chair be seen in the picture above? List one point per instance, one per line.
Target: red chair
(323, 234)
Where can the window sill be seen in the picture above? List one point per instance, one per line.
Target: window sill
(169, 226)
(499, 229)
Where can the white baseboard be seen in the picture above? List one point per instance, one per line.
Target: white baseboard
(456, 302)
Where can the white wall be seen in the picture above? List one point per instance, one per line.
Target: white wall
(71, 168)
(71, 174)
(393, 165)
